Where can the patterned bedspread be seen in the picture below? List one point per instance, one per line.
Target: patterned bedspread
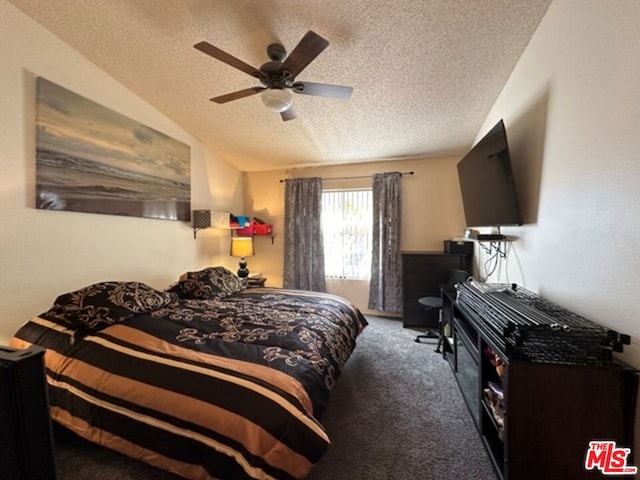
(231, 388)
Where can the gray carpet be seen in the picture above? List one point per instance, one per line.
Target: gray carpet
(396, 413)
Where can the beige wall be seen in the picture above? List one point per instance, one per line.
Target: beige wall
(45, 253)
(431, 211)
(571, 109)
(572, 112)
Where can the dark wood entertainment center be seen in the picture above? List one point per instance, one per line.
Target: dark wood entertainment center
(555, 402)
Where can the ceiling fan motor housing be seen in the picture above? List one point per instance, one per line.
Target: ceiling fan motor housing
(274, 76)
(277, 52)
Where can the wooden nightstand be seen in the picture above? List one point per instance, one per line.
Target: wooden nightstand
(256, 282)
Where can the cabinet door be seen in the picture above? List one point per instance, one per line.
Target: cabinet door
(468, 370)
(554, 411)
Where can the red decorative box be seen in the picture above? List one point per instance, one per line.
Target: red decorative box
(262, 228)
(246, 231)
(255, 228)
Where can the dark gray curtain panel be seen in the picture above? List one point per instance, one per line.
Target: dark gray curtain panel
(303, 245)
(385, 288)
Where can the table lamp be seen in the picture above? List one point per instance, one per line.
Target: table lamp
(242, 247)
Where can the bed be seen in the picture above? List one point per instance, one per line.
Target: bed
(206, 380)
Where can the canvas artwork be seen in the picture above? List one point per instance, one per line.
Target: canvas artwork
(92, 159)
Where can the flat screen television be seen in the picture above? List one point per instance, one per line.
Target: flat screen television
(487, 184)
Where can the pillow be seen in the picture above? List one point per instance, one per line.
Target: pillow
(213, 283)
(176, 288)
(102, 304)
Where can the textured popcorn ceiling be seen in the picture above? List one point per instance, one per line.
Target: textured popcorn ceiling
(425, 72)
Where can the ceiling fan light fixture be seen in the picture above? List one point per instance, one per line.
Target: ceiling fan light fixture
(278, 76)
(277, 99)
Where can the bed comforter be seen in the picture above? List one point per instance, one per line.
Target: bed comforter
(230, 389)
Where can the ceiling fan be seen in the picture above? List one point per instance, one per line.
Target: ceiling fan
(278, 76)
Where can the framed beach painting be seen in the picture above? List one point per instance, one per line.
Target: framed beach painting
(92, 159)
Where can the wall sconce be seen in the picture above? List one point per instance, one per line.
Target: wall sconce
(242, 247)
(200, 219)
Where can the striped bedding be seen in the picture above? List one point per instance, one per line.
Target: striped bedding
(229, 389)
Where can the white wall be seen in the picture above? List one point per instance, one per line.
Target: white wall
(572, 112)
(44, 253)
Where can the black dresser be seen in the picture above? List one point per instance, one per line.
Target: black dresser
(423, 273)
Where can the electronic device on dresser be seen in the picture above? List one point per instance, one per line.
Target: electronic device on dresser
(487, 183)
(458, 246)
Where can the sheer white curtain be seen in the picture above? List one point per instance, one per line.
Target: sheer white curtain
(303, 246)
(347, 222)
(385, 288)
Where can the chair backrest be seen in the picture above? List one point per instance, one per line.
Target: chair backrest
(457, 276)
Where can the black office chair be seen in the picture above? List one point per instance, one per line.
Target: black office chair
(430, 303)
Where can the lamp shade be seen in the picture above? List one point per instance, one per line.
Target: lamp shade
(277, 99)
(241, 247)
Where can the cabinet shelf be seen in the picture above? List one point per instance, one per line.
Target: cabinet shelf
(496, 448)
(491, 422)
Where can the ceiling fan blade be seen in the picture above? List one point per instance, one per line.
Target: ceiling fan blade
(223, 56)
(237, 95)
(304, 53)
(288, 114)
(322, 90)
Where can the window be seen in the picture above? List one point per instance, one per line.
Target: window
(347, 221)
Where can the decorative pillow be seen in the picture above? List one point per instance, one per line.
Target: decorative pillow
(102, 304)
(176, 288)
(213, 283)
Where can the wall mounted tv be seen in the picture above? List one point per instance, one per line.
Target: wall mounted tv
(486, 182)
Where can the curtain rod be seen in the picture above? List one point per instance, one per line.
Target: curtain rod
(282, 180)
